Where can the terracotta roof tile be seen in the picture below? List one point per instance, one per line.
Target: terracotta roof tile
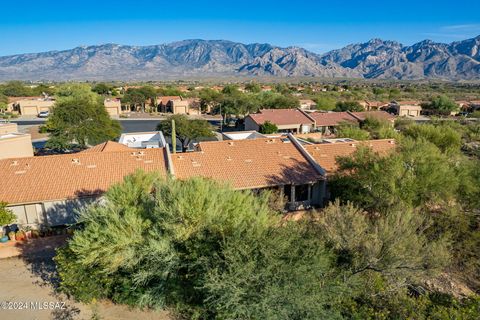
(281, 117)
(247, 164)
(326, 154)
(331, 118)
(58, 177)
(108, 146)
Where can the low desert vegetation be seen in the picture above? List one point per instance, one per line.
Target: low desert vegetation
(404, 227)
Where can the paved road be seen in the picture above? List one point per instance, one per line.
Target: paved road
(127, 125)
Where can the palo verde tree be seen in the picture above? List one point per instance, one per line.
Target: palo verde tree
(79, 117)
(186, 130)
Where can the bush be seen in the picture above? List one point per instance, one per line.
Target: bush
(268, 128)
(352, 132)
(6, 215)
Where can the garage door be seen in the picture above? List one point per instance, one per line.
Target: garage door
(112, 111)
(29, 111)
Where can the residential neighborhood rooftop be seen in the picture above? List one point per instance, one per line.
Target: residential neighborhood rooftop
(247, 164)
(326, 154)
(281, 116)
(59, 177)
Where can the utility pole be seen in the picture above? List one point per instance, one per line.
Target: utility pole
(174, 138)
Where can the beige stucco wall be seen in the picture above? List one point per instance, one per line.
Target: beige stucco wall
(49, 213)
(34, 107)
(8, 128)
(413, 111)
(16, 145)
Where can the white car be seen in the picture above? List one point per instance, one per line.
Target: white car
(44, 114)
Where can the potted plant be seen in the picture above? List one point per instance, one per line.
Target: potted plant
(11, 235)
(28, 232)
(20, 235)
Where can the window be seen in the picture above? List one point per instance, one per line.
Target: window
(288, 192)
(302, 192)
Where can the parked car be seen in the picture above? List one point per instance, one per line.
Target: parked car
(44, 114)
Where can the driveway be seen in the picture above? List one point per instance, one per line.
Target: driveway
(29, 281)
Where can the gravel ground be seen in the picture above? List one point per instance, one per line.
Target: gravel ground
(28, 282)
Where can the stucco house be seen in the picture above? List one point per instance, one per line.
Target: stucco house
(287, 120)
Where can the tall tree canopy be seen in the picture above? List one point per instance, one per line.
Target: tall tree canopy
(79, 117)
(186, 130)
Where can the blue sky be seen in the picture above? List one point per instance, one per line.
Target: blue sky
(319, 26)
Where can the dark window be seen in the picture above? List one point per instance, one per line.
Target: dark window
(288, 192)
(301, 193)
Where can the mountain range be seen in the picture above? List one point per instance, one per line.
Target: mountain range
(375, 59)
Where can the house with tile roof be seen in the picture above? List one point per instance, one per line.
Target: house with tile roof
(298, 121)
(287, 120)
(49, 190)
(279, 164)
(178, 105)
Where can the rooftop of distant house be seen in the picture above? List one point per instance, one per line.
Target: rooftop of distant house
(281, 117)
(326, 154)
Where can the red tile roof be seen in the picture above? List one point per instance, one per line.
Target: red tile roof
(165, 99)
(59, 177)
(326, 154)
(281, 117)
(324, 119)
(247, 164)
(109, 146)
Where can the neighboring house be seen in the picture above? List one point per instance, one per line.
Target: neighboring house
(380, 115)
(326, 122)
(307, 104)
(113, 106)
(179, 105)
(14, 144)
(370, 105)
(405, 108)
(287, 120)
(8, 127)
(31, 105)
(48, 190)
(298, 121)
(278, 164)
(242, 135)
(326, 154)
(144, 140)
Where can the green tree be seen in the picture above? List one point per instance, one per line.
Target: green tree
(268, 128)
(378, 128)
(348, 130)
(348, 106)
(253, 87)
(325, 102)
(186, 130)
(102, 89)
(16, 89)
(6, 215)
(79, 117)
(394, 245)
(447, 139)
(3, 103)
(442, 103)
(153, 241)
